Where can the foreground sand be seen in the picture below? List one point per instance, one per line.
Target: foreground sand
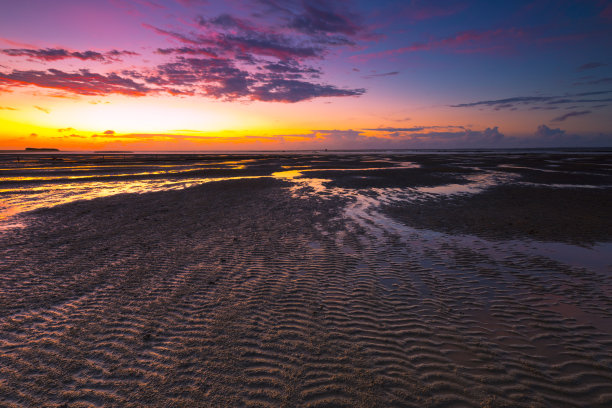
(262, 292)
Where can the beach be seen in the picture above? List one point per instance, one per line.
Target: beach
(380, 279)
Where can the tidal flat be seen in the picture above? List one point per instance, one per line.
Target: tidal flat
(312, 279)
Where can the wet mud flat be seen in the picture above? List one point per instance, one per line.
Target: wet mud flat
(335, 285)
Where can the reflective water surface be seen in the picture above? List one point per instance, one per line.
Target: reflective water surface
(31, 182)
(41, 182)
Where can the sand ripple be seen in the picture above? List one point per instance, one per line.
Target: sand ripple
(239, 293)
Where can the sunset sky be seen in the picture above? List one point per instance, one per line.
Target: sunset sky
(304, 74)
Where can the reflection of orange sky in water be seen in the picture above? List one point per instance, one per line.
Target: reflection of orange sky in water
(69, 188)
(111, 166)
(50, 195)
(114, 175)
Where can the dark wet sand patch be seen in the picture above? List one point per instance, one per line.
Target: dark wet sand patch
(391, 178)
(580, 216)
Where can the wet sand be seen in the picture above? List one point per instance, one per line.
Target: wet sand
(323, 281)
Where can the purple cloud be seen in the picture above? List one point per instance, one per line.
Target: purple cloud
(171, 34)
(413, 129)
(383, 74)
(510, 103)
(220, 56)
(226, 21)
(319, 18)
(283, 90)
(248, 42)
(220, 78)
(545, 133)
(496, 102)
(459, 138)
(82, 82)
(51, 54)
(356, 139)
(591, 65)
(116, 54)
(545, 136)
(188, 51)
(562, 118)
(599, 81)
(56, 54)
(291, 67)
(265, 44)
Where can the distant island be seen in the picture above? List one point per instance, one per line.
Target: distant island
(41, 149)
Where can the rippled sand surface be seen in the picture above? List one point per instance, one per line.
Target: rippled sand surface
(313, 281)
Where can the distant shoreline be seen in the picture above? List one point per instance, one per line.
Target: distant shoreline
(554, 150)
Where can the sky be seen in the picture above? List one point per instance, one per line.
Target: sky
(304, 74)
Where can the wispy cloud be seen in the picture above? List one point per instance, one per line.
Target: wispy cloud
(240, 60)
(82, 82)
(47, 111)
(599, 81)
(56, 54)
(320, 18)
(562, 118)
(16, 43)
(220, 78)
(284, 90)
(188, 51)
(414, 128)
(229, 57)
(260, 57)
(542, 102)
(591, 65)
(246, 42)
(382, 74)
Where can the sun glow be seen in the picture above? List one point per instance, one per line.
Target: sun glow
(138, 116)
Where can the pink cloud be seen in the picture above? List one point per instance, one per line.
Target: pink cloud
(16, 43)
(82, 82)
(56, 54)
